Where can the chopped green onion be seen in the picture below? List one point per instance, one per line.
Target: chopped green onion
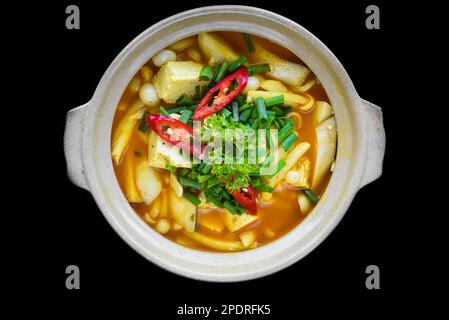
(184, 172)
(221, 71)
(249, 42)
(171, 168)
(197, 92)
(310, 195)
(264, 188)
(244, 116)
(261, 110)
(192, 107)
(230, 207)
(237, 63)
(273, 101)
(176, 109)
(212, 182)
(255, 124)
(240, 100)
(206, 73)
(163, 111)
(206, 169)
(204, 178)
(246, 106)
(289, 141)
(143, 125)
(277, 111)
(183, 99)
(193, 199)
(235, 110)
(279, 166)
(185, 116)
(186, 182)
(285, 132)
(258, 68)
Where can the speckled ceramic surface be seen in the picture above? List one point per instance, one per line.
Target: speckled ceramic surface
(361, 145)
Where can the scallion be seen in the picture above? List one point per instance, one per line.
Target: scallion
(221, 71)
(237, 63)
(235, 110)
(206, 73)
(193, 199)
(273, 101)
(183, 100)
(258, 68)
(278, 168)
(264, 188)
(163, 111)
(261, 110)
(249, 42)
(143, 124)
(186, 182)
(171, 168)
(286, 130)
(310, 195)
(244, 116)
(289, 141)
(185, 116)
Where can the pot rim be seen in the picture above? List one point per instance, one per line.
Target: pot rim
(250, 265)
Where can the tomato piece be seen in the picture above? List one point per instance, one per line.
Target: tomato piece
(246, 196)
(174, 131)
(221, 94)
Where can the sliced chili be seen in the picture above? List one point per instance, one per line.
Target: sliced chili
(246, 196)
(174, 131)
(221, 94)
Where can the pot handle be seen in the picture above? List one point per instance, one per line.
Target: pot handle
(72, 145)
(376, 143)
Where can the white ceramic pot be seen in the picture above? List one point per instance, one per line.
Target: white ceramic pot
(361, 145)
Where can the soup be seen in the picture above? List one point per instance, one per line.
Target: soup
(223, 142)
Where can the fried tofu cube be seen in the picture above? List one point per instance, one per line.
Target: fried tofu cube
(161, 152)
(176, 78)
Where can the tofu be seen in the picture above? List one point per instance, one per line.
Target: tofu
(235, 222)
(161, 152)
(176, 78)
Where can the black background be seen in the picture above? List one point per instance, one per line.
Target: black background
(66, 227)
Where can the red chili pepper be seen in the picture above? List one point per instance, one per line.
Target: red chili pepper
(225, 94)
(174, 131)
(247, 198)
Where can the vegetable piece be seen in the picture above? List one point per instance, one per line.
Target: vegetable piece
(162, 226)
(186, 182)
(235, 110)
(222, 245)
(175, 185)
(148, 95)
(244, 116)
(221, 71)
(289, 141)
(274, 86)
(148, 182)
(183, 44)
(278, 167)
(161, 152)
(155, 209)
(211, 221)
(265, 188)
(163, 57)
(146, 74)
(221, 94)
(184, 99)
(134, 84)
(253, 84)
(130, 189)
(237, 63)
(215, 48)
(174, 131)
(258, 68)
(193, 199)
(261, 110)
(290, 99)
(303, 88)
(326, 146)
(310, 196)
(304, 203)
(285, 132)
(291, 159)
(246, 196)
(207, 73)
(248, 42)
(123, 132)
(164, 203)
(176, 78)
(194, 54)
(299, 177)
(236, 222)
(185, 116)
(183, 211)
(288, 72)
(247, 237)
(323, 111)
